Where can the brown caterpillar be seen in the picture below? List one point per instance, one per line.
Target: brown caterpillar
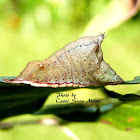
(78, 64)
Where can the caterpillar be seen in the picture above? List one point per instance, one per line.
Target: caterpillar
(78, 64)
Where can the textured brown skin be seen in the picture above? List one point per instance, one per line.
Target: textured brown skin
(79, 63)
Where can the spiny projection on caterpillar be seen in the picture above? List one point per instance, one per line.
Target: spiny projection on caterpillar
(78, 64)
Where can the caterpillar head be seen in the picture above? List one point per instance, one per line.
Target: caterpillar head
(106, 75)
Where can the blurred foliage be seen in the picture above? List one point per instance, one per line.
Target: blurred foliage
(45, 13)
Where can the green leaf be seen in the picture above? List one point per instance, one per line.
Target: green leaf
(128, 118)
(80, 112)
(33, 132)
(129, 111)
(19, 99)
(16, 99)
(136, 80)
(79, 130)
(126, 97)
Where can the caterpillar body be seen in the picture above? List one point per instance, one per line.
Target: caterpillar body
(78, 64)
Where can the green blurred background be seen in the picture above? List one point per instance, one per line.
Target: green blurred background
(33, 30)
